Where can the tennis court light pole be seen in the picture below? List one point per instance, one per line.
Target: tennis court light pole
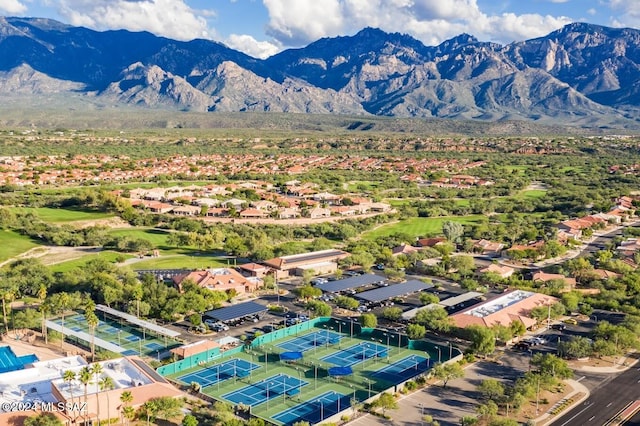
(439, 355)
(321, 409)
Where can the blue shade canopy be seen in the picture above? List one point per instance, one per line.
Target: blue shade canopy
(236, 311)
(290, 356)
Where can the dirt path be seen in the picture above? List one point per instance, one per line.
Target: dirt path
(50, 255)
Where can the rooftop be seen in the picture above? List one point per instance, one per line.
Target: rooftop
(500, 303)
(34, 384)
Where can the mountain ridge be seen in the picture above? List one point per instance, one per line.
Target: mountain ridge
(583, 74)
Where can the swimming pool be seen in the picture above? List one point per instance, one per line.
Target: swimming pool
(9, 361)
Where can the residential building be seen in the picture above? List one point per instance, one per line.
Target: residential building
(513, 306)
(321, 262)
(220, 279)
(502, 271)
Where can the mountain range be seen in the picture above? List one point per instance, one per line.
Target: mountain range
(586, 75)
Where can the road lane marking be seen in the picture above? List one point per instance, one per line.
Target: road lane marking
(581, 378)
(577, 414)
(610, 404)
(592, 417)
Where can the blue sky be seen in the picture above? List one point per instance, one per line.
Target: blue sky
(264, 27)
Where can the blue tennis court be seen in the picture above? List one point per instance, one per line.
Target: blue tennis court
(154, 346)
(356, 354)
(404, 369)
(314, 410)
(111, 330)
(272, 387)
(132, 338)
(219, 373)
(311, 340)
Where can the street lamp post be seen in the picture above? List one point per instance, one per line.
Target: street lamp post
(351, 327)
(439, 354)
(421, 405)
(450, 351)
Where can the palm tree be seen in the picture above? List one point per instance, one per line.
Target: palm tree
(45, 308)
(106, 384)
(92, 321)
(126, 398)
(85, 377)
(129, 413)
(68, 377)
(62, 302)
(8, 293)
(96, 369)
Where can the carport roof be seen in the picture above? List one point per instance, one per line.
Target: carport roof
(236, 311)
(384, 293)
(349, 283)
(453, 301)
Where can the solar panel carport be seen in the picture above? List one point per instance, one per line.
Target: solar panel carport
(349, 283)
(385, 293)
(461, 298)
(236, 311)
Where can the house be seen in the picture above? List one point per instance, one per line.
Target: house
(289, 213)
(604, 274)
(264, 205)
(488, 248)
(235, 203)
(220, 279)
(629, 247)
(404, 249)
(430, 242)
(319, 212)
(379, 207)
(254, 270)
(321, 262)
(153, 206)
(513, 306)
(343, 210)
(500, 270)
(186, 211)
(326, 197)
(543, 277)
(253, 214)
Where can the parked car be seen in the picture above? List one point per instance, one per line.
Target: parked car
(380, 266)
(521, 346)
(570, 321)
(559, 327)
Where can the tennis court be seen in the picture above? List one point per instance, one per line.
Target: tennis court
(311, 340)
(271, 387)
(219, 373)
(356, 354)
(403, 369)
(134, 340)
(315, 410)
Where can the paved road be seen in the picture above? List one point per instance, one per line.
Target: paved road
(605, 402)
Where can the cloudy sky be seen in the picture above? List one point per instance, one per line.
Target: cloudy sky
(264, 27)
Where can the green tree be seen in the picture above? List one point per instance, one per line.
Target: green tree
(487, 411)
(189, 420)
(319, 307)
(464, 264)
(428, 298)
(92, 321)
(392, 313)
(346, 302)
(491, 389)
(69, 377)
(416, 331)
(307, 292)
(448, 371)
(575, 347)
(386, 401)
(453, 231)
(368, 321)
(126, 411)
(434, 319)
(43, 419)
(483, 340)
(550, 364)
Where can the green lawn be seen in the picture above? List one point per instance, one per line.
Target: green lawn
(79, 263)
(362, 185)
(420, 226)
(12, 244)
(181, 261)
(532, 193)
(52, 215)
(157, 237)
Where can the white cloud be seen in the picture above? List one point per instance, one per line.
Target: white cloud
(169, 18)
(297, 22)
(627, 13)
(251, 46)
(301, 21)
(12, 7)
